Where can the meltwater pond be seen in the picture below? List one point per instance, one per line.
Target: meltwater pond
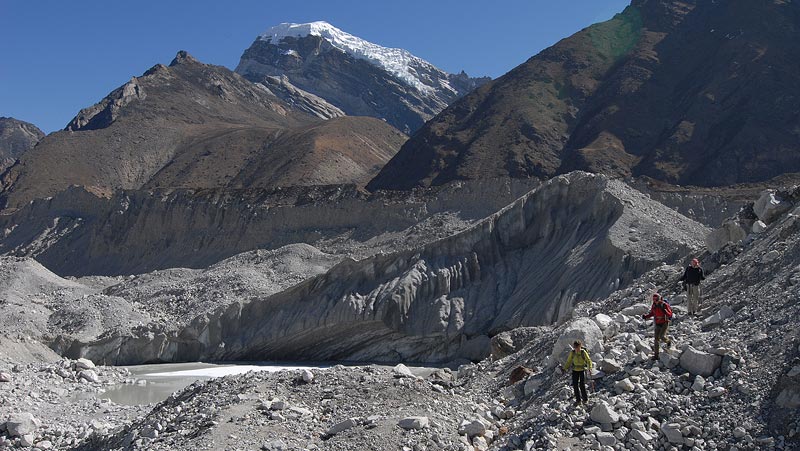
(154, 383)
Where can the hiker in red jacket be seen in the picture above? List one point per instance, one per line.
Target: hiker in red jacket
(661, 313)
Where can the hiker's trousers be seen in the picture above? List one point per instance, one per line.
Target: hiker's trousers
(579, 385)
(693, 295)
(660, 335)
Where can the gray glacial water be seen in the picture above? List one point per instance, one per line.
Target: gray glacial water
(154, 383)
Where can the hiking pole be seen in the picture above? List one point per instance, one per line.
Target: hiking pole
(588, 374)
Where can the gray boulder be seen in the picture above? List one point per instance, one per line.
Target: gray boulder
(640, 436)
(274, 445)
(531, 385)
(789, 398)
(699, 362)
(606, 438)
(473, 428)
(636, 310)
(604, 414)
(724, 313)
(729, 232)
(609, 366)
(342, 426)
(415, 423)
(20, 424)
(673, 432)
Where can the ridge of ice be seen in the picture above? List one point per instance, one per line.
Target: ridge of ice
(398, 62)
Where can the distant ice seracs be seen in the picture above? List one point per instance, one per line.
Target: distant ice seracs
(399, 62)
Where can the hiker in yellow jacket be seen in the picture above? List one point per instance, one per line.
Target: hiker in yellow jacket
(580, 361)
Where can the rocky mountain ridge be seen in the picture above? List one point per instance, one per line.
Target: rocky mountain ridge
(16, 138)
(192, 125)
(686, 92)
(356, 76)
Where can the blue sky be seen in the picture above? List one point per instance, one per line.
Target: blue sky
(59, 57)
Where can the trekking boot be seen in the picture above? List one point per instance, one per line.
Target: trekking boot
(668, 344)
(654, 358)
(577, 403)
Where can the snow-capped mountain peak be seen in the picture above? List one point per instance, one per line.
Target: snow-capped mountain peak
(399, 62)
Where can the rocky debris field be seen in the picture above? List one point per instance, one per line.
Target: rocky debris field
(730, 380)
(41, 307)
(55, 405)
(365, 408)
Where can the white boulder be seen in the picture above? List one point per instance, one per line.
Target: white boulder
(603, 321)
(769, 207)
(401, 370)
(89, 375)
(583, 329)
(84, 364)
(625, 385)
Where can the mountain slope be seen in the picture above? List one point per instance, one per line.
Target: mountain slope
(357, 76)
(193, 125)
(16, 138)
(687, 92)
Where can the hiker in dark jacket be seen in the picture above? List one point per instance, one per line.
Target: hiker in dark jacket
(580, 361)
(691, 284)
(661, 312)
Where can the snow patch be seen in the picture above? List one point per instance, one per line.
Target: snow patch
(398, 62)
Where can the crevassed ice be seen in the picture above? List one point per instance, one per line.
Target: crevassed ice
(397, 62)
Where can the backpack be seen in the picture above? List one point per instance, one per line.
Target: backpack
(584, 356)
(671, 310)
(666, 301)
